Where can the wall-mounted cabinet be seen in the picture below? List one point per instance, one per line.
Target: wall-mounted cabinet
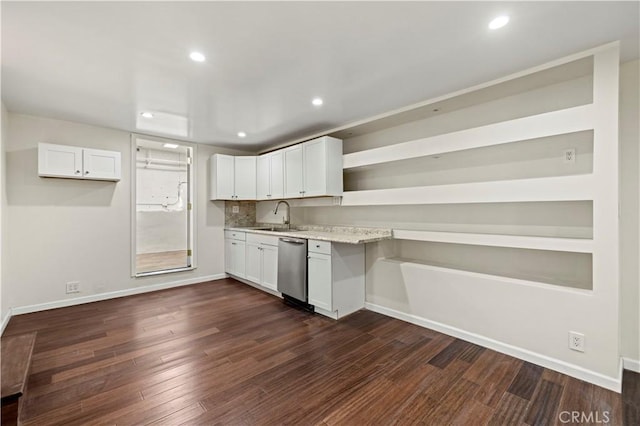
(309, 169)
(72, 162)
(313, 168)
(233, 178)
(270, 176)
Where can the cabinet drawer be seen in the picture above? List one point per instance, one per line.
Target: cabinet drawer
(234, 235)
(316, 246)
(262, 239)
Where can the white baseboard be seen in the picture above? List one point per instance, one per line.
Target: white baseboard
(631, 364)
(112, 295)
(611, 383)
(5, 321)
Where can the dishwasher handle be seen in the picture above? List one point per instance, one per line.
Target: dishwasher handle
(287, 240)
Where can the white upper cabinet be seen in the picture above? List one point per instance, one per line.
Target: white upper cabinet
(245, 178)
(270, 176)
(263, 177)
(309, 169)
(293, 172)
(100, 164)
(73, 162)
(233, 178)
(313, 168)
(222, 178)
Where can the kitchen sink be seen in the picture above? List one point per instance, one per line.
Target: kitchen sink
(275, 229)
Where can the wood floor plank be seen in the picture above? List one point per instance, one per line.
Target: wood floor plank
(544, 403)
(525, 382)
(225, 353)
(510, 411)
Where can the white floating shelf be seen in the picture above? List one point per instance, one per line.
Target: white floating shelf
(537, 126)
(575, 245)
(557, 188)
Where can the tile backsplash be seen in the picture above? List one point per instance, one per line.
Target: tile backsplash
(245, 215)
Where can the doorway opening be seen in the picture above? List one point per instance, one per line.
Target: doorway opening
(163, 208)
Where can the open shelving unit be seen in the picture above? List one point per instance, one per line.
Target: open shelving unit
(498, 307)
(600, 62)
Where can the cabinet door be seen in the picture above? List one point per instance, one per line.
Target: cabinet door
(277, 175)
(253, 262)
(245, 178)
(59, 161)
(270, 267)
(235, 257)
(238, 256)
(320, 285)
(101, 165)
(222, 176)
(228, 256)
(293, 177)
(263, 177)
(315, 168)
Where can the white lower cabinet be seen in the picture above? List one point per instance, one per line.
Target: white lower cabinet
(234, 248)
(270, 267)
(320, 285)
(262, 260)
(335, 277)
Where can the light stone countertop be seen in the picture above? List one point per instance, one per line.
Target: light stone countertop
(335, 234)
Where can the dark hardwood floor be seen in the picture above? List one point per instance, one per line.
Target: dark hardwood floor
(225, 353)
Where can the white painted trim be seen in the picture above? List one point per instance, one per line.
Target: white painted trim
(631, 364)
(576, 245)
(5, 321)
(113, 294)
(556, 188)
(611, 383)
(536, 126)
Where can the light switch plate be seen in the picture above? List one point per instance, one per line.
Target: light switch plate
(235, 209)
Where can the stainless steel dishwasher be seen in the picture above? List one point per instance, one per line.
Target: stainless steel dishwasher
(292, 271)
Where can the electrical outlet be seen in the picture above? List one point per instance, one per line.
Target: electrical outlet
(569, 156)
(576, 341)
(235, 209)
(73, 287)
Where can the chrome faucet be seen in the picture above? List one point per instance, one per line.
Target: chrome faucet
(286, 219)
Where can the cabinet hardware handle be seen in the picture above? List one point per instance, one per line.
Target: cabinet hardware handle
(77, 171)
(86, 172)
(317, 245)
(233, 244)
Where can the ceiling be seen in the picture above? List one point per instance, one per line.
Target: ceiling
(104, 63)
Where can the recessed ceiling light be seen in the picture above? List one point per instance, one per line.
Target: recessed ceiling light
(499, 22)
(317, 101)
(170, 145)
(242, 134)
(147, 115)
(197, 56)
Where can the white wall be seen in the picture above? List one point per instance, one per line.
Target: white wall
(62, 230)
(629, 210)
(521, 316)
(4, 307)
